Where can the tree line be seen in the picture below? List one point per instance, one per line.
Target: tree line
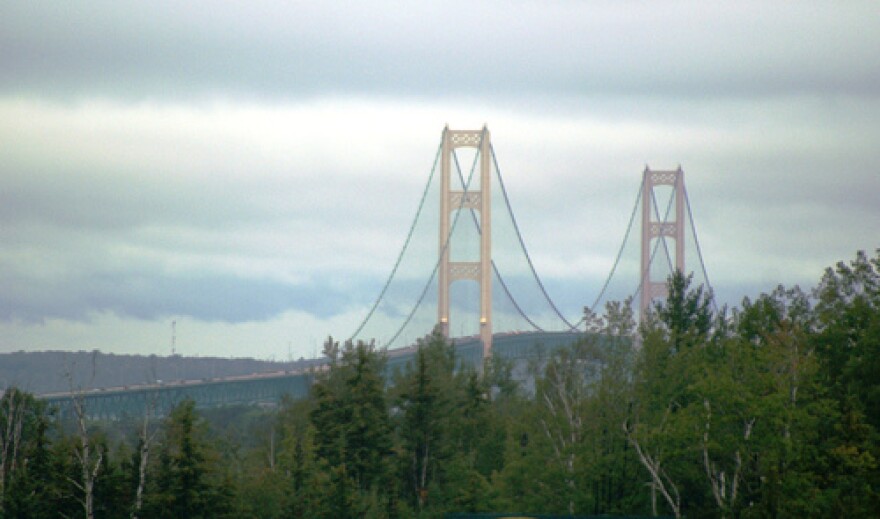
(769, 409)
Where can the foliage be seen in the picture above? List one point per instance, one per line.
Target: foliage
(188, 480)
(771, 409)
(353, 431)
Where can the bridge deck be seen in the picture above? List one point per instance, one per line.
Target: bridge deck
(269, 388)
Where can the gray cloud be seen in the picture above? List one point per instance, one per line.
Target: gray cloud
(148, 295)
(166, 50)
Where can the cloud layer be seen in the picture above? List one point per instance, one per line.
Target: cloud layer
(233, 165)
(393, 48)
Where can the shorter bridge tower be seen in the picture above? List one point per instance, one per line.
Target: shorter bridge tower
(660, 229)
(478, 200)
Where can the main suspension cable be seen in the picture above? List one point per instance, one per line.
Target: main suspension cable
(632, 218)
(521, 242)
(697, 244)
(406, 242)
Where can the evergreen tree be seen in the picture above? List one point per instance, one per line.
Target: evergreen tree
(30, 482)
(113, 496)
(424, 409)
(188, 483)
(352, 428)
(304, 482)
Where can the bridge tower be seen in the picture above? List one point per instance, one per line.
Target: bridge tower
(479, 201)
(660, 229)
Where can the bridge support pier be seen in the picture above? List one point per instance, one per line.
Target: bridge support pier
(659, 229)
(479, 201)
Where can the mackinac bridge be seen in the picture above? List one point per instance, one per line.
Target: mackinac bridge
(463, 269)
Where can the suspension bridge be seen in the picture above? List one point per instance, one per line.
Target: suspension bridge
(464, 267)
(478, 277)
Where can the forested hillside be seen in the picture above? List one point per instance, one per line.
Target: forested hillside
(54, 371)
(771, 409)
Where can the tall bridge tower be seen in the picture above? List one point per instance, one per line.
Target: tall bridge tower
(479, 201)
(660, 229)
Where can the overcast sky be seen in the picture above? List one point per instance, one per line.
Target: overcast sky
(250, 169)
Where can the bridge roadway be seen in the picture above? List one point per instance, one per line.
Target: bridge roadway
(268, 388)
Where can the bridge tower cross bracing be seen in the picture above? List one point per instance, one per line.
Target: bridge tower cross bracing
(660, 229)
(479, 201)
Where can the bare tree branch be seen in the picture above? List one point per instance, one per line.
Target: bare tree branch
(90, 461)
(659, 478)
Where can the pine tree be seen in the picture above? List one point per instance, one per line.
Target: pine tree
(352, 428)
(189, 482)
(424, 409)
(30, 486)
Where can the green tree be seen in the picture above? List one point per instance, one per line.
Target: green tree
(666, 424)
(305, 481)
(353, 430)
(27, 477)
(445, 430)
(781, 479)
(189, 482)
(607, 463)
(113, 495)
(425, 408)
(566, 452)
(847, 343)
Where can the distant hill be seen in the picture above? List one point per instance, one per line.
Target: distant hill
(52, 371)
